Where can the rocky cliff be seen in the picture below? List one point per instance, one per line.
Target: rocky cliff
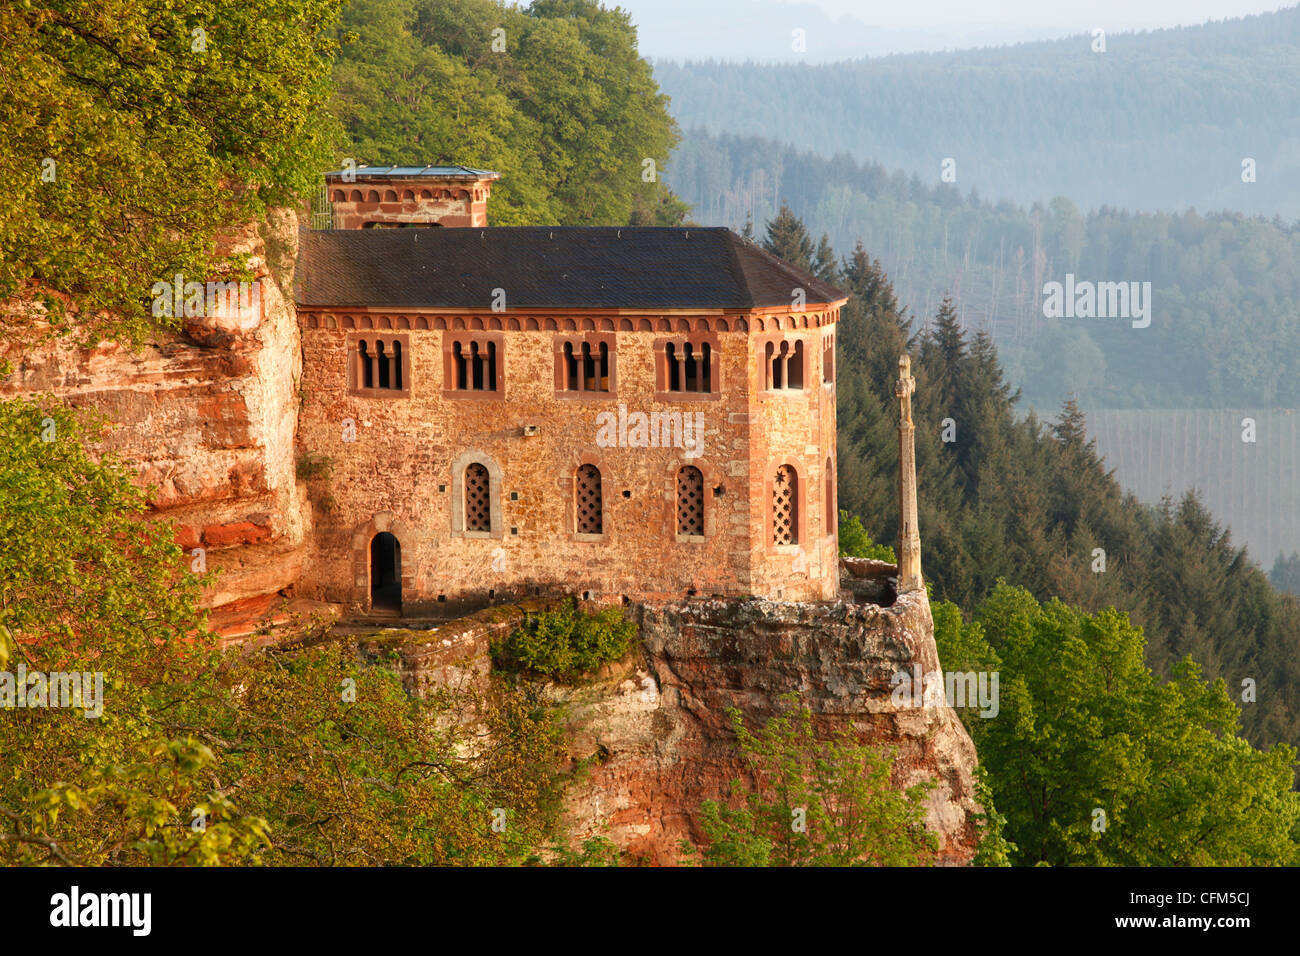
(654, 734)
(666, 743)
(207, 415)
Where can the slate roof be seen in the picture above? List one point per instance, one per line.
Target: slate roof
(546, 267)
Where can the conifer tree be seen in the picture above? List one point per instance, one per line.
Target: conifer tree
(787, 238)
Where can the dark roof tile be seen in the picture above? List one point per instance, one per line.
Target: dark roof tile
(546, 267)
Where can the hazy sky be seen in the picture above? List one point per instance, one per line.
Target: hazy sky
(835, 29)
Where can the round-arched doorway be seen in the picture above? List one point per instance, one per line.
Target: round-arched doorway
(385, 573)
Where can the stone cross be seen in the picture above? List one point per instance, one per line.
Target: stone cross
(904, 388)
(909, 536)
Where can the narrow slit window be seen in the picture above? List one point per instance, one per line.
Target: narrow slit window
(588, 503)
(367, 366)
(690, 501)
(785, 506)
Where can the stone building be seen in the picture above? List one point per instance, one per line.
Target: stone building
(636, 414)
(395, 196)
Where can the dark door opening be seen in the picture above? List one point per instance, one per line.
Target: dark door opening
(385, 573)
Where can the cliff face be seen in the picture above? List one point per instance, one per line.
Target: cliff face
(666, 743)
(207, 415)
(654, 729)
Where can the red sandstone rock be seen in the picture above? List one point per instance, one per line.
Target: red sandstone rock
(669, 745)
(207, 416)
(661, 727)
(229, 535)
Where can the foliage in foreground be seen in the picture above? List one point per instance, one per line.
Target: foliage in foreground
(204, 757)
(133, 130)
(815, 800)
(1094, 761)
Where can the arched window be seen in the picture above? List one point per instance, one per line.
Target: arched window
(585, 365)
(473, 364)
(794, 368)
(783, 365)
(785, 506)
(367, 365)
(478, 498)
(688, 366)
(587, 501)
(570, 378)
(690, 501)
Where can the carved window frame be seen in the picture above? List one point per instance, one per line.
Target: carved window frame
(372, 338)
(796, 346)
(593, 340)
(466, 340)
(801, 542)
(497, 518)
(663, 375)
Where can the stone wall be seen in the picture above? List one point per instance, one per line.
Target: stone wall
(391, 202)
(402, 474)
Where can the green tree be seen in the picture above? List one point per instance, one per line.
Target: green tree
(194, 756)
(787, 238)
(1095, 761)
(1286, 573)
(553, 96)
(566, 642)
(134, 131)
(817, 799)
(855, 542)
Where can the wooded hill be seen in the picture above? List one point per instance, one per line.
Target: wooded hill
(1160, 120)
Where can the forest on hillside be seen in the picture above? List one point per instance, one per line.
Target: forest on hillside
(1160, 120)
(1167, 400)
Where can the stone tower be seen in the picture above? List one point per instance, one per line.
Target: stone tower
(388, 197)
(909, 535)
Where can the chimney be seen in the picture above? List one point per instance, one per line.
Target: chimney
(390, 197)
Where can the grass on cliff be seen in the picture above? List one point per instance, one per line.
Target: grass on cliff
(565, 643)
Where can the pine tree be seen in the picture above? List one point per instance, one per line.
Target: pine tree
(824, 265)
(787, 238)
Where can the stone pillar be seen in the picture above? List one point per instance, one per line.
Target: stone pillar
(909, 535)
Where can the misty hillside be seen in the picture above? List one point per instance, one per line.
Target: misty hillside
(1160, 120)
